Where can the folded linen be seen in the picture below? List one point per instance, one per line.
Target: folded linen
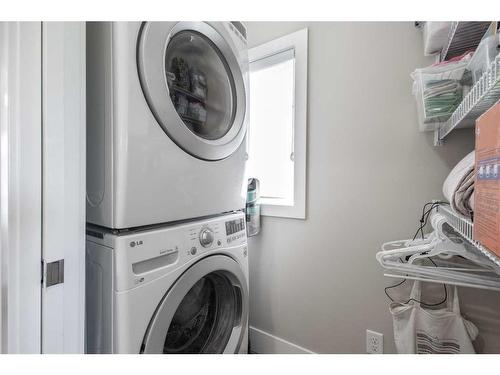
(458, 187)
(462, 195)
(442, 97)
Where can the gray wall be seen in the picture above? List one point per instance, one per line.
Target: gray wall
(316, 283)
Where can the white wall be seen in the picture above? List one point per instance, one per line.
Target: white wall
(316, 283)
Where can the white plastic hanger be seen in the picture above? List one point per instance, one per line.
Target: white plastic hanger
(405, 258)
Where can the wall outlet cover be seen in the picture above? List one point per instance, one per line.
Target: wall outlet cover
(374, 342)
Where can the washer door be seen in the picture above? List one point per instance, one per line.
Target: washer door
(194, 86)
(205, 311)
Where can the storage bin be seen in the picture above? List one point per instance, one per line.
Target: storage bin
(485, 53)
(438, 91)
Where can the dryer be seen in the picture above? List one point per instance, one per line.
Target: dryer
(166, 121)
(171, 290)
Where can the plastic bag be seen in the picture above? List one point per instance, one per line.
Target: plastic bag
(435, 36)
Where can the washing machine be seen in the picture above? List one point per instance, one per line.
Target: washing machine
(172, 290)
(166, 121)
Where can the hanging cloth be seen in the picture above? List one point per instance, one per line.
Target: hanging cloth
(425, 331)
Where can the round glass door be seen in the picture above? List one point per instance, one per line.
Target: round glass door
(194, 81)
(204, 320)
(200, 84)
(205, 311)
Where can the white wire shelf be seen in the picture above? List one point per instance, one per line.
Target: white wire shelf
(462, 37)
(484, 94)
(465, 228)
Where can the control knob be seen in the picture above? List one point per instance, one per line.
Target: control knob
(206, 237)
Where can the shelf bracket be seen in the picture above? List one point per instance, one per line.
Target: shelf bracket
(437, 139)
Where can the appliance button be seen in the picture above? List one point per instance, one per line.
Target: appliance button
(193, 251)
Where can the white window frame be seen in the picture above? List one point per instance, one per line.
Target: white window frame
(297, 42)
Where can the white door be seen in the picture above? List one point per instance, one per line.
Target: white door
(63, 235)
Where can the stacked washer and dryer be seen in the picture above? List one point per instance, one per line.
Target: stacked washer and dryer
(167, 258)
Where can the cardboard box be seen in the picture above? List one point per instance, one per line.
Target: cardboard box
(487, 185)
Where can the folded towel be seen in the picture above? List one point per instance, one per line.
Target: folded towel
(471, 202)
(458, 187)
(441, 98)
(461, 197)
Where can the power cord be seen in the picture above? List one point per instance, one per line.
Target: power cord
(425, 216)
(423, 222)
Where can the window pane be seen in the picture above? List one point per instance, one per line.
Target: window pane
(271, 128)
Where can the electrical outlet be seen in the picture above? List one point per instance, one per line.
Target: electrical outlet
(374, 342)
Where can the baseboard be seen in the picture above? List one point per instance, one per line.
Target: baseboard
(264, 343)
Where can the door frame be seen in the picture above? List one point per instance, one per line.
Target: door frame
(20, 187)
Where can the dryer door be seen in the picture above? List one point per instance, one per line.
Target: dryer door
(194, 85)
(205, 311)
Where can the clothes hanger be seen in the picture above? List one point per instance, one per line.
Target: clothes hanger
(407, 257)
(398, 244)
(443, 242)
(447, 243)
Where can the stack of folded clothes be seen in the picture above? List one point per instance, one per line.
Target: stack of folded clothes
(458, 188)
(441, 98)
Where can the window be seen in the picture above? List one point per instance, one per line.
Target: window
(277, 133)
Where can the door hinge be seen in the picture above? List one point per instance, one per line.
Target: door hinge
(54, 273)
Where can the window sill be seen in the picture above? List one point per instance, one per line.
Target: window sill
(277, 210)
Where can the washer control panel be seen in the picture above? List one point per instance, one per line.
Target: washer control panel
(235, 230)
(148, 254)
(206, 237)
(216, 234)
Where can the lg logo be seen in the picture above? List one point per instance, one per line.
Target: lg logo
(135, 243)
